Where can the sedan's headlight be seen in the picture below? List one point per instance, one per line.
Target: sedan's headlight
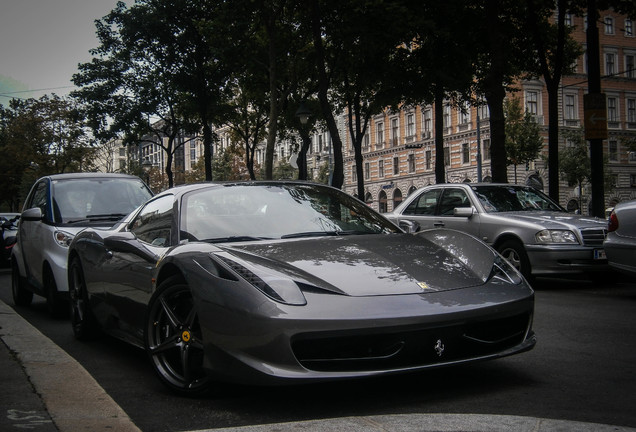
(556, 236)
(63, 238)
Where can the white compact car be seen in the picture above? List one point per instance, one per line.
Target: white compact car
(56, 209)
(620, 244)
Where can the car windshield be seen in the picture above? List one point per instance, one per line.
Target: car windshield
(80, 200)
(272, 211)
(514, 198)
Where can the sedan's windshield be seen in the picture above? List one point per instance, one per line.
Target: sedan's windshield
(96, 199)
(253, 212)
(514, 198)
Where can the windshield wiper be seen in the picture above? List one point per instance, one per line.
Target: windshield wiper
(311, 234)
(235, 239)
(99, 217)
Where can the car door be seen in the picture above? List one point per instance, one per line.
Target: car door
(134, 255)
(34, 235)
(445, 217)
(422, 208)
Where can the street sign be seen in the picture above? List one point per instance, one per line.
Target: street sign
(595, 116)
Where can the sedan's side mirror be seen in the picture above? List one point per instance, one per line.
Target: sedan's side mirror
(32, 214)
(463, 212)
(409, 226)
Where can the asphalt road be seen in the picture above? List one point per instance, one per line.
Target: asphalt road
(582, 369)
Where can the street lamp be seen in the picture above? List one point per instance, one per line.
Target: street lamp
(303, 113)
(146, 165)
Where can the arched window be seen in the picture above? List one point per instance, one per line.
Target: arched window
(411, 190)
(535, 181)
(572, 206)
(368, 198)
(397, 198)
(383, 202)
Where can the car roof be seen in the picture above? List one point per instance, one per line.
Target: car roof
(185, 188)
(67, 176)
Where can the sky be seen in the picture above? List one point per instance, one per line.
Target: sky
(43, 41)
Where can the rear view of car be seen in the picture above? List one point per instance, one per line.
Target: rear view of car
(620, 244)
(56, 209)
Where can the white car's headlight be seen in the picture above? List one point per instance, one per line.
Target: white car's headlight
(556, 236)
(63, 238)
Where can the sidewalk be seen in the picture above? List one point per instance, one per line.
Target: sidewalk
(45, 389)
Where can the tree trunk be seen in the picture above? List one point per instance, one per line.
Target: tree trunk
(440, 169)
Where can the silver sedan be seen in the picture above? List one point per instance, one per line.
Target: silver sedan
(533, 232)
(620, 244)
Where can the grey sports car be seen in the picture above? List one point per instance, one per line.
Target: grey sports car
(283, 282)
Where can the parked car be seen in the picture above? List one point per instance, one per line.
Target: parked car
(8, 230)
(620, 244)
(56, 209)
(530, 230)
(271, 282)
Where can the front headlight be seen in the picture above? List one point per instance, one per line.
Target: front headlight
(556, 236)
(503, 270)
(63, 238)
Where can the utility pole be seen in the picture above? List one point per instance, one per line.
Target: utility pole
(595, 112)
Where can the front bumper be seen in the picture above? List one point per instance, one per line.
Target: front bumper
(556, 259)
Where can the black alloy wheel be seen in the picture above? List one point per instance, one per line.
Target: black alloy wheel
(21, 295)
(85, 326)
(173, 338)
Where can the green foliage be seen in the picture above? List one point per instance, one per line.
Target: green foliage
(523, 136)
(574, 160)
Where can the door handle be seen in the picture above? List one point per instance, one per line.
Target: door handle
(439, 224)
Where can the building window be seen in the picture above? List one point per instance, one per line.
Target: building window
(612, 110)
(610, 63)
(379, 135)
(609, 25)
(483, 111)
(383, 202)
(631, 157)
(570, 107)
(411, 162)
(410, 125)
(427, 123)
(486, 150)
(532, 102)
(464, 113)
(630, 72)
(447, 116)
(631, 113)
(465, 153)
(381, 168)
(446, 156)
(629, 27)
(395, 132)
(354, 174)
(568, 20)
(366, 140)
(632, 180)
(429, 157)
(396, 165)
(367, 172)
(397, 198)
(613, 151)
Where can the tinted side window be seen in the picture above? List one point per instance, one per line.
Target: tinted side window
(40, 199)
(424, 204)
(451, 199)
(153, 224)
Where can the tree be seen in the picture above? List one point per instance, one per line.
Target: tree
(523, 136)
(555, 52)
(574, 161)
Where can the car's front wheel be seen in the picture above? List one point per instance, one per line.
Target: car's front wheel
(55, 303)
(21, 295)
(173, 338)
(82, 319)
(514, 252)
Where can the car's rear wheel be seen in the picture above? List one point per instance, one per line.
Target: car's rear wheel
(55, 303)
(173, 338)
(514, 252)
(85, 326)
(21, 295)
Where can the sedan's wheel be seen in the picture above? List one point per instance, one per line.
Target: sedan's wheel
(173, 338)
(54, 302)
(514, 252)
(82, 319)
(21, 295)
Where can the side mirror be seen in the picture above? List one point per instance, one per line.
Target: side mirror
(33, 214)
(126, 242)
(463, 212)
(409, 226)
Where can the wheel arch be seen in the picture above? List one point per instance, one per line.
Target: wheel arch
(168, 271)
(506, 237)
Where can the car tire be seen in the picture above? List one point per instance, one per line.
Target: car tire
(514, 252)
(55, 303)
(173, 338)
(21, 295)
(83, 321)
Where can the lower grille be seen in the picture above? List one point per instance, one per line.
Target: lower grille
(594, 236)
(412, 348)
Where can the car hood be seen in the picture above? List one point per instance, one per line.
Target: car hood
(368, 265)
(555, 220)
